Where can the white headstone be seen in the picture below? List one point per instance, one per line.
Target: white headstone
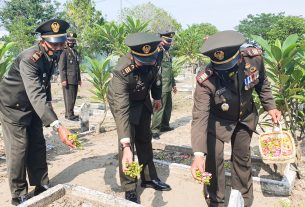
(84, 117)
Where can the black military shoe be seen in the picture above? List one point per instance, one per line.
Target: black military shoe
(156, 184)
(73, 118)
(156, 136)
(131, 196)
(19, 200)
(166, 129)
(39, 189)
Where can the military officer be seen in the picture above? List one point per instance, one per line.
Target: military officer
(161, 118)
(135, 76)
(69, 70)
(25, 106)
(224, 111)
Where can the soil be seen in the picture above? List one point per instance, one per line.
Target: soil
(69, 201)
(259, 169)
(96, 166)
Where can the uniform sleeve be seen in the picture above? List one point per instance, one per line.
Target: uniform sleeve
(78, 66)
(49, 94)
(173, 79)
(35, 92)
(200, 116)
(156, 89)
(121, 105)
(263, 89)
(62, 66)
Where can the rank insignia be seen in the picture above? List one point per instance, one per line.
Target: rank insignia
(36, 56)
(204, 75)
(128, 69)
(248, 65)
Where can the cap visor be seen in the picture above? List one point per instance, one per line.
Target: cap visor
(56, 39)
(228, 65)
(146, 60)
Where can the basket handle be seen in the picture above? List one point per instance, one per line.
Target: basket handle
(279, 129)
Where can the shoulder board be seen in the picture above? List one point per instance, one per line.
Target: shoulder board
(36, 56)
(204, 75)
(251, 51)
(160, 48)
(128, 69)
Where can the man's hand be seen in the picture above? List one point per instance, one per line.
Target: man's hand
(79, 83)
(157, 105)
(127, 158)
(198, 164)
(275, 115)
(64, 83)
(175, 89)
(63, 135)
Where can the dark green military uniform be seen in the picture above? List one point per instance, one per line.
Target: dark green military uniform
(224, 111)
(25, 95)
(160, 119)
(130, 104)
(69, 70)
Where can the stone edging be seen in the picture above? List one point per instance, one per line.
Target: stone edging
(273, 187)
(60, 190)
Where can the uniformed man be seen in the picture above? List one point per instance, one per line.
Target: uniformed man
(69, 70)
(25, 105)
(224, 111)
(161, 118)
(135, 76)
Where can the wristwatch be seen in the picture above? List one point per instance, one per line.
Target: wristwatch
(56, 125)
(124, 145)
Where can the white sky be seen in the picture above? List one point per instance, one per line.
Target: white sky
(224, 14)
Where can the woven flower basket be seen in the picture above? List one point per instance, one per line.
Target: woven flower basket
(277, 147)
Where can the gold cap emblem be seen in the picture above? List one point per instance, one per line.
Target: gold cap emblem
(220, 55)
(55, 27)
(146, 49)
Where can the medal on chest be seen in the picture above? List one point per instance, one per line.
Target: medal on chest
(225, 106)
(254, 75)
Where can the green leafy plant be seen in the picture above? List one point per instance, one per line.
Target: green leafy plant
(134, 170)
(204, 177)
(75, 140)
(100, 72)
(286, 70)
(114, 34)
(5, 57)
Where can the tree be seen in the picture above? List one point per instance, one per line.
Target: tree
(285, 26)
(285, 67)
(159, 20)
(188, 42)
(258, 24)
(114, 34)
(100, 72)
(84, 19)
(20, 18)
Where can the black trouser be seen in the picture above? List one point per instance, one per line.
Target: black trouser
(25, 150)
(141, 138)
(70, 94)
(162, 117)
(241, 177)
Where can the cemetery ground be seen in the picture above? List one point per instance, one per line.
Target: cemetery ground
(96, 166)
